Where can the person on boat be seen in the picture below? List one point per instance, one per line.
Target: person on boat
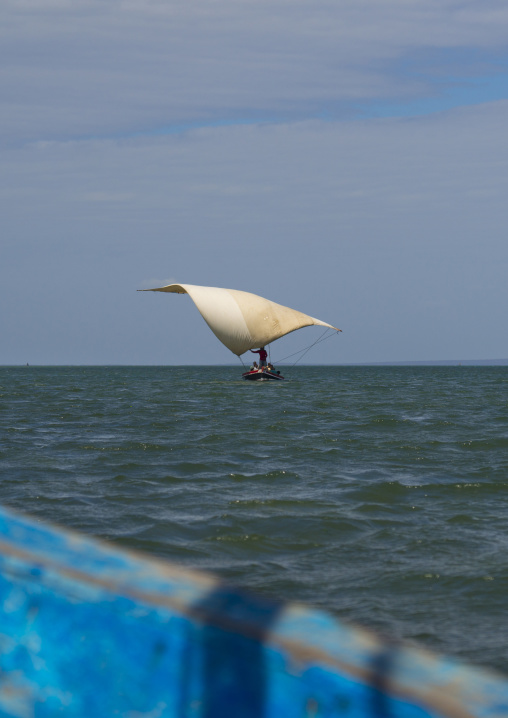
(254, 366)
(262, 355)
(270, 367)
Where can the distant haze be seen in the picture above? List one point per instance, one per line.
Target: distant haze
(346, 159)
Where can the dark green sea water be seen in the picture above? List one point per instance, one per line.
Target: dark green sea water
(378, 493)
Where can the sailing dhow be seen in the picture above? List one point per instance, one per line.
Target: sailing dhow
(243, 321)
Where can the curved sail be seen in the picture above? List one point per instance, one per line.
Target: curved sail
(241, 320)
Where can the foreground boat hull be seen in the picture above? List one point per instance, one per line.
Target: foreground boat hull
(90, 631)
(257, 375)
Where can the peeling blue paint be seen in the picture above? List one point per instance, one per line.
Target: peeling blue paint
(90, 631)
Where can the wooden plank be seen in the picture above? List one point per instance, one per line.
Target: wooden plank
(87, 630)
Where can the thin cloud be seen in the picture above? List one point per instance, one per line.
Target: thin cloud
(84, 69)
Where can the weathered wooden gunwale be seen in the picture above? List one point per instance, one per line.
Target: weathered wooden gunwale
(89, 630)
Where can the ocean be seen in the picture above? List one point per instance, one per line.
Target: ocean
(377, 493)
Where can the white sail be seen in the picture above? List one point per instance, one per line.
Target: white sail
(241, 320)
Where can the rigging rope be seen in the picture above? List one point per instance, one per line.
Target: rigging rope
(303, 351)
(320, 339)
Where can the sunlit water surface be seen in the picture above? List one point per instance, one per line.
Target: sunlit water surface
(378, 493)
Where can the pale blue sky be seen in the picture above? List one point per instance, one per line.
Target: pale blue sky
(348, 159)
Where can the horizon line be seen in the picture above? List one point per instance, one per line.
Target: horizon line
(424, 362)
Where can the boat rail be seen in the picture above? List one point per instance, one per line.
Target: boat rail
(89, 630)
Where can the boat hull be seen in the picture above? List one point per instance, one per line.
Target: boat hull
(88, 630)
(257, 375)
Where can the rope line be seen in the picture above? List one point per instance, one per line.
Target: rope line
(305, 349)
(323, 337)
(320, 339)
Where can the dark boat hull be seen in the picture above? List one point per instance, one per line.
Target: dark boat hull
(262, 376)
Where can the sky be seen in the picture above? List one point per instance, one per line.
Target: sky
(348, 159)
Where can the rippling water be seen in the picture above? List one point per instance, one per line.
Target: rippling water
(379, 493)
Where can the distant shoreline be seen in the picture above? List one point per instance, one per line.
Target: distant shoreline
(440, 362)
